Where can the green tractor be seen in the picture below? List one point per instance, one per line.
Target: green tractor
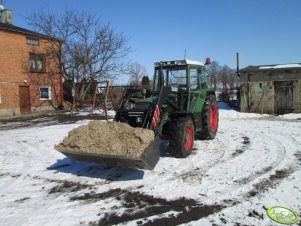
(179, 108)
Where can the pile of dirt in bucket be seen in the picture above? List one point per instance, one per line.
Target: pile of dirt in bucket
(110, 138)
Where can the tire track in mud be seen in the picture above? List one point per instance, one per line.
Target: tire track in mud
(269, 180)
(138, 207)
(242, 149)
(199, 171)
(272, 179)
(135, 205)
(266, 169)
(60, 187)
(280, 174)
(219, 144)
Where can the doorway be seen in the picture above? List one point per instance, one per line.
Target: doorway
(24, 96)
(284, 97)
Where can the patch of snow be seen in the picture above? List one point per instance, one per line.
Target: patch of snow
(251, 165)
(281, 66)
(291, 116)
(287, 65)
(235, 114)
(98, 111)
(266, 67)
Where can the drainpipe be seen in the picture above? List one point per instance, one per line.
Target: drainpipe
(61, 75)
(249, 94)
(238, 94)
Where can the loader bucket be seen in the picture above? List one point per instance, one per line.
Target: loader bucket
(147, 160)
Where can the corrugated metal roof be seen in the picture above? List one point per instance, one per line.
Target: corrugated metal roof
(271, 67)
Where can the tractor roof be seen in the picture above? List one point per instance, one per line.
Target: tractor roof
(177, 62)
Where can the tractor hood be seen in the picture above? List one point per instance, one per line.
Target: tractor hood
(152, 100)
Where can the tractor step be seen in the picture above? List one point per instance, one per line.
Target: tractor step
(147, 160)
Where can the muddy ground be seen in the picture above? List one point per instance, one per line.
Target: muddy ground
(44, 119)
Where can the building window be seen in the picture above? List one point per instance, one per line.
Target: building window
(45, 93)
(36, 62)
(32, 41)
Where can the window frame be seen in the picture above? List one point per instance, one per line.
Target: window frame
(49, 92)
(194, 78)
(167, 75)
(37, 58)
(33, 39)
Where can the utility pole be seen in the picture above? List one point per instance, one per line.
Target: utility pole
(237, 64)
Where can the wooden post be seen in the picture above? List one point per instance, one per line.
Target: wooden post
(95, 94)
(106, 99)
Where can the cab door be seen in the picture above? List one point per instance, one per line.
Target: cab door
(198, 89)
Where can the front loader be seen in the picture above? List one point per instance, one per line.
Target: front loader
(179, 107)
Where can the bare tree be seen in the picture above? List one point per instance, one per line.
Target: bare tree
(232, 79)
(213, 71)
(136, 71)
(89, 50)
(224, 77)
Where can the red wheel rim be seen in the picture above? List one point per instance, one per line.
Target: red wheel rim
(213, 117)
(188, 139)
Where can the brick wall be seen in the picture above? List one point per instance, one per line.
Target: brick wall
(14, 72)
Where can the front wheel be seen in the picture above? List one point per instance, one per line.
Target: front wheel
(181, 137)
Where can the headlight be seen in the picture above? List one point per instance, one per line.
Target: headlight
(138, 120)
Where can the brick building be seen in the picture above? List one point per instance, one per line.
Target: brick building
(30, 76)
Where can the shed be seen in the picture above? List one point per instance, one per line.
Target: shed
(271, 89)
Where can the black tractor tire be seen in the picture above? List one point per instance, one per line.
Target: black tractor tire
(209, 118)
(181, 136)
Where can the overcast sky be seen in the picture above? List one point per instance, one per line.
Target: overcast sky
(263, 31)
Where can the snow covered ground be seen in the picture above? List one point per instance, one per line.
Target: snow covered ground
(254, 163)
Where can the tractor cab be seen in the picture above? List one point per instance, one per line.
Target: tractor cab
(179, 74)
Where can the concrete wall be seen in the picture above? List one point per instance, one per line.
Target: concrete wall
(9, 111)
(261, 99)
(260, 91)
(14, 72)
(297, 96)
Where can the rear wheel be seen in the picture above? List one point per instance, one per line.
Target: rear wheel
(181, 137)
(209, 118)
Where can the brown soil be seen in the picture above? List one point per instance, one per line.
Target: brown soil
(139, 207)
(111, 138)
